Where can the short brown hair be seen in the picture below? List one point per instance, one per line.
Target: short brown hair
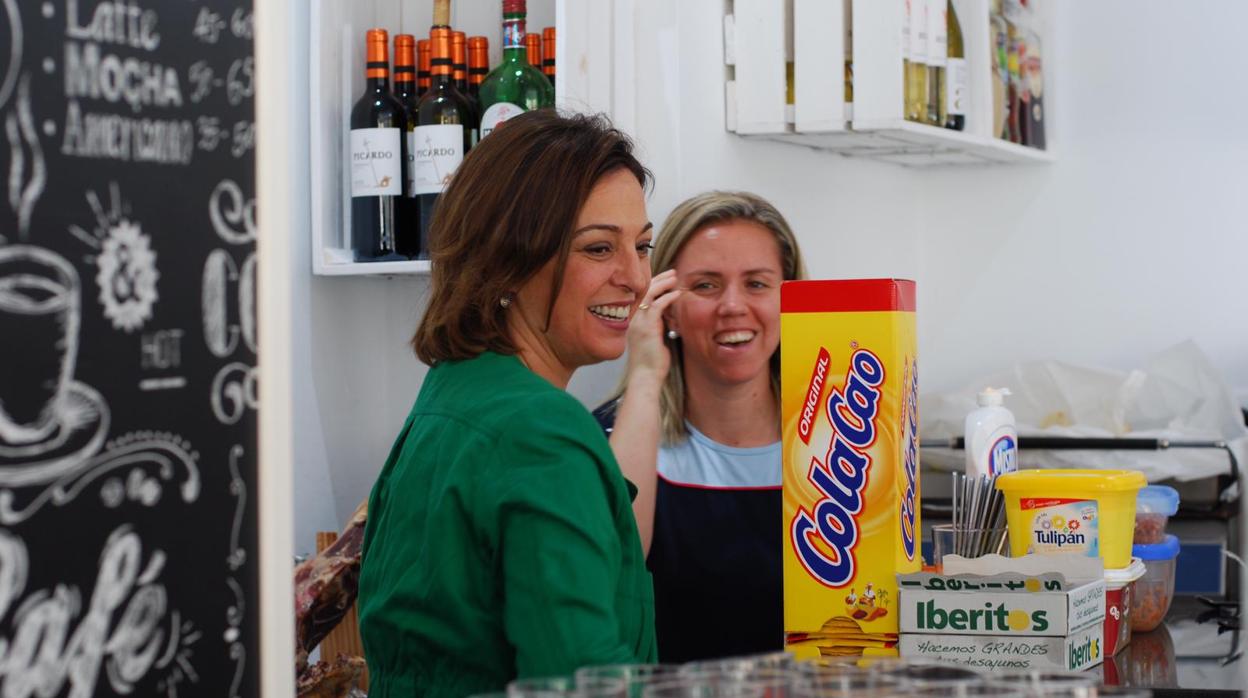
(511, 208)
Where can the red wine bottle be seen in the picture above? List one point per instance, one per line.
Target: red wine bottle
(443, 132)
(378, 161)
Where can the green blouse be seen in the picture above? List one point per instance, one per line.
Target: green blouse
(500, 540)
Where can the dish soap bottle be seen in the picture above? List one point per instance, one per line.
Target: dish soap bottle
(991, 439)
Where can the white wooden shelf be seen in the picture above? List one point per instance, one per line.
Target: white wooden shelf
(761, 36)
(407, 268)
(914, 145)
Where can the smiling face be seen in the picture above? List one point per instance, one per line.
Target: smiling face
(607, 273)
(729, 318)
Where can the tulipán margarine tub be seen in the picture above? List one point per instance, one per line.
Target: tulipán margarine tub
(1090, 512)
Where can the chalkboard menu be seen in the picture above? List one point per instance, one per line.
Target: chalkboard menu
(127, 349)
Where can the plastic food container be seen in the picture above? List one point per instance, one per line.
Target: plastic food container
(1090, 512)
(1147, 663)
(1150, 601)
(1153, 508)
(1119, 585)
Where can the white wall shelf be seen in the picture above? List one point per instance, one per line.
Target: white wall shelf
(416, 267)
(914, 145)
(762, 35)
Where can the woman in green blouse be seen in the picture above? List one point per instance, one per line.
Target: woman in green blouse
(500, 538)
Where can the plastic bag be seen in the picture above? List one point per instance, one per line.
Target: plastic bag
(1178, 395)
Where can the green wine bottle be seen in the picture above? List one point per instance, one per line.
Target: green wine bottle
(515, 86)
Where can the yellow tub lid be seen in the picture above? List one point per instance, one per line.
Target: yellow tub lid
(1074, 480)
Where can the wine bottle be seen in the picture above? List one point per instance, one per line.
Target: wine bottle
(405, 91)
(459, 67)
(514, 86)
(548, 54)
(1022, 94)
(441, 16)
(907, 11)
(478, 67)
(459, 61)
(422, 67)
(916, 69)
(937, 56)
(954, 90)
(1000, 35)
(405, 69)
(1034, 80)
(533, 49)
(442, 134)
(1014, 129)
(847, 9)
(378, 154)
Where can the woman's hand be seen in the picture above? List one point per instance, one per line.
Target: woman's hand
(648, 357)
(635, 439)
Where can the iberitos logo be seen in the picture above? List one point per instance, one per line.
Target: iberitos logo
(996, 619)
(1082, 655)
(841, 476)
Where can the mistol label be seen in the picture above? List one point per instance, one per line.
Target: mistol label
(1003, 455)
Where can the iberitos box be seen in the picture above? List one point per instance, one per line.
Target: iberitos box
(1034, 612)
(849, 399)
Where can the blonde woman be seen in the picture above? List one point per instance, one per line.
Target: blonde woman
(707, 462)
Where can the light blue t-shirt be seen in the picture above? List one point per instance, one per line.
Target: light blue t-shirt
(698, 461)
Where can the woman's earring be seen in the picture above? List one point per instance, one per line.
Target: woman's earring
(673, 335)
(505, 301)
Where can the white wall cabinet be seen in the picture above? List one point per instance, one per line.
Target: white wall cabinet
(761, 36)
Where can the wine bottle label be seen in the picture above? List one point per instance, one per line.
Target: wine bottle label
(439, 148)
(409, 186)
(918, 31)
(376, 168)
(906, 19)
(496, 114)
(513, 33)
(1015, 12)
(937, 32)
(957, 75)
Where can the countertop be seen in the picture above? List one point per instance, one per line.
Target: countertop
(1182, 657)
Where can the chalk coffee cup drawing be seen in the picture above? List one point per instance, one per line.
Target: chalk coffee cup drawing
(39, 315)
(50, 424)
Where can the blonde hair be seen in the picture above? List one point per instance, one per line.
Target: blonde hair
(688, 218)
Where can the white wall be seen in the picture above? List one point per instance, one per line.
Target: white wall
(1133, 240)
